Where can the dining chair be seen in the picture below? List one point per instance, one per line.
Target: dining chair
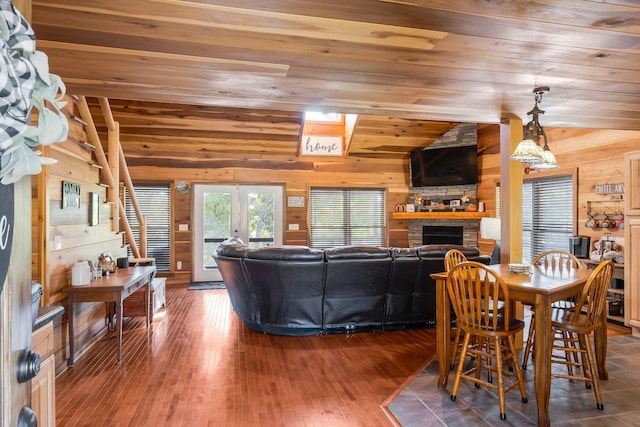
(572, 329)
(489, 329)
(452, 258)
(554, 260)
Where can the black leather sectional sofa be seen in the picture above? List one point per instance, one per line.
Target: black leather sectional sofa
(297, 290)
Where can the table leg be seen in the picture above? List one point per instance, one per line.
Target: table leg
(119, 326)
(148, 305)
(542, 357)
(72, 333)
(600, 342)
(443, 326)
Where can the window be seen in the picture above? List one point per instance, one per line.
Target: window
(315, 116)
(547, 215)
(347, 216)
(155, 203)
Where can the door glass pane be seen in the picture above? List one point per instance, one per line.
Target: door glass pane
(216, 224)
(260, 216)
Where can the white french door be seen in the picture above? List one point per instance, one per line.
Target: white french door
(251, 212)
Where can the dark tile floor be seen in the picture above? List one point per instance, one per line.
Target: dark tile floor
(422, 404)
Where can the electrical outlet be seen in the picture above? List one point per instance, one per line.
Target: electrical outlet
(179, 265)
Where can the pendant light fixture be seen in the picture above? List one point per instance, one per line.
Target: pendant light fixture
(529, 151)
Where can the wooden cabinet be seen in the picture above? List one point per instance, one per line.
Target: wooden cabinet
(632, 241)
(615, 296)
(43, 385)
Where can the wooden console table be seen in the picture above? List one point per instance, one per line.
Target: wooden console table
(113, 288)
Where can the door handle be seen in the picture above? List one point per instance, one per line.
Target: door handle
(28, 365)
(27, 418)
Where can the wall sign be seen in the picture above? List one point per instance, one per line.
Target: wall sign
(6, 230)
(610, 189)
(295, 201)
(70, 195)
(314, 145)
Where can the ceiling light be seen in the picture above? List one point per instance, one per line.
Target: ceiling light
(529, 151)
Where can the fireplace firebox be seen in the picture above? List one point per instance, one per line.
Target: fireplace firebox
(437, 235)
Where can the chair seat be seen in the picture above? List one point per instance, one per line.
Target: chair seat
(564, 319)
(514, 325)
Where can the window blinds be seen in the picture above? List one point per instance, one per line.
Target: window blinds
(155, 203)
(347, 216)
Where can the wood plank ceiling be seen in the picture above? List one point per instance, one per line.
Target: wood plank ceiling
(188, 78)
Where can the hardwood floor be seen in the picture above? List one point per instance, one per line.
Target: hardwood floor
(200, 366)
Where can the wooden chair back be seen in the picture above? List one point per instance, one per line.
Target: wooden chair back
(453, 257)
(476, 292)
(558, 260)
(592, 301)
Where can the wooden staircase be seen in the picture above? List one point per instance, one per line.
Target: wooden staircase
(113, 170)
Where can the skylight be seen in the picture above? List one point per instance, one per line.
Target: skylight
(315, 116)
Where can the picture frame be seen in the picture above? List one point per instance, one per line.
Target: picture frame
(94, 208)
(70, 195)
(295, 201)
(454, 203)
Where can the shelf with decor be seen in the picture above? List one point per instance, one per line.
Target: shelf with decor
(613, 209)
(439, 215)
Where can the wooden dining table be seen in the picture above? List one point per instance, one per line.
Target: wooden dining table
(539, 289)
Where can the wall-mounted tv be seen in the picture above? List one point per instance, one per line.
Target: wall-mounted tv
(444, 166)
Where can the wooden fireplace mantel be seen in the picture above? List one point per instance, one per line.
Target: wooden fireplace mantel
(439, 215)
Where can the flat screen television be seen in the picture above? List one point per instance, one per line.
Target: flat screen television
(444, 166)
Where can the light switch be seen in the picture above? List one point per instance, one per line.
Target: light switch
(57, 242)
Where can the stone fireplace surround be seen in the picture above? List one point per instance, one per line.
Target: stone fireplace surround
(465, 134)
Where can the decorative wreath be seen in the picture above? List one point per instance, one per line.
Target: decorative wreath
(25, 82)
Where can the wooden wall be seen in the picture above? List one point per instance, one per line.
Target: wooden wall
(595, 154)
(61, 237)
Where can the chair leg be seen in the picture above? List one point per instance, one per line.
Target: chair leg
(454, 352)
(518, 372)
(484, 360)
(593, 373)
(530, 340)
(501, 401)
(463, 354)
(570, 342)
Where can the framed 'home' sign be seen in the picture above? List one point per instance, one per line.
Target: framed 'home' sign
(317, 145)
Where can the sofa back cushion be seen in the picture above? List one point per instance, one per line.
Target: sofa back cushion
(406, 268)
(287, 284)
(356, 284)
